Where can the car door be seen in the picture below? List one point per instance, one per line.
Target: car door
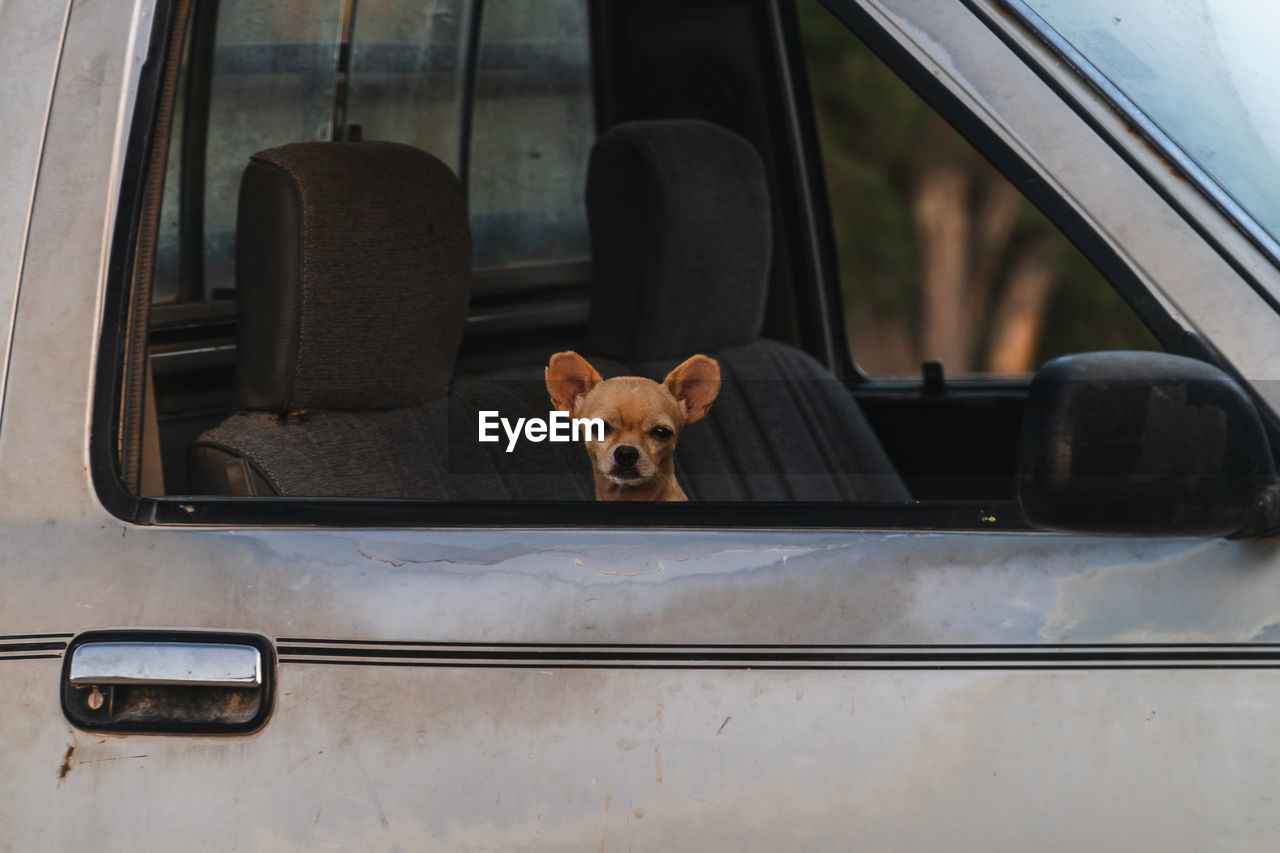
(461, 678)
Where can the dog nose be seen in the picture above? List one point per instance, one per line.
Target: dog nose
(626, 456)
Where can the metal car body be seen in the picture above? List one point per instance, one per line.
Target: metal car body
(495, 680)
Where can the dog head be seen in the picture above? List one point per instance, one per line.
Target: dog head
(642, 418)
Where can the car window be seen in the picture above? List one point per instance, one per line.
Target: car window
(404, 81)
(301, 70)
(940, 257)
(393, 366)
(531, 134)
(269, 78)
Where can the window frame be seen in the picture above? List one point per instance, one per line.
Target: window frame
(949, 516)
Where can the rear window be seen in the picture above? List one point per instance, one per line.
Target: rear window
(488, 88)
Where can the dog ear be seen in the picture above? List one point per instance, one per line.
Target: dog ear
(695, 383)
(569, 378)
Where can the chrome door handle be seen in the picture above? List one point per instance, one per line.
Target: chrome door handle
(172, 663)
(168, 681)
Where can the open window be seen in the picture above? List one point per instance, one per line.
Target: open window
(380, 221)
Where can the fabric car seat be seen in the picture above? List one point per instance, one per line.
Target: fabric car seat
(682, 239)
(353, 267)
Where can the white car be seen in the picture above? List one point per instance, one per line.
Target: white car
(261, 588)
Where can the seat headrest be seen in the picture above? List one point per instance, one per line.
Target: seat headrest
(353, 265)
(681, 240)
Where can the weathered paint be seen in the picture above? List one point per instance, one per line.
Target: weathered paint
(30, 46)
(506, 760)
(611, 587)
(467, 757)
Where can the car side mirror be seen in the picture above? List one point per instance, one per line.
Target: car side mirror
(1146, 444)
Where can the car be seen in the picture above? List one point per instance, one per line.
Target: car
(265, 266)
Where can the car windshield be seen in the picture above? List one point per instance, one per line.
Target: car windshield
(1206, 73)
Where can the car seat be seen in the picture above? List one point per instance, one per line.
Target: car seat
(682, 241)
(353, 269)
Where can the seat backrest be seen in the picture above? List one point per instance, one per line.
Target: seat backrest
(353, 283)
(353, 266)
(681, 246)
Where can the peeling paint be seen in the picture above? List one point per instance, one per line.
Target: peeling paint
(1212, 592)
(65, 767)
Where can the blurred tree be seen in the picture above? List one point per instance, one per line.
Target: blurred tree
(940, 257)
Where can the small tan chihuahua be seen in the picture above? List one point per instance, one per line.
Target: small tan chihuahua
(642, 420)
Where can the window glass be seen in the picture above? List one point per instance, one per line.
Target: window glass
(285, 72)
(940, 257)
(166, 284)
(1205, 72)
(273, 83)
(533, 129)
(405, 73)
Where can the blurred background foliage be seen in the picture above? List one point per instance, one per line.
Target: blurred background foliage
(940, 257)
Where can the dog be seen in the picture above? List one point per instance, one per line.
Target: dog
(634, 461)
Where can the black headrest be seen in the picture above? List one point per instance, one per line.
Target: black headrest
(681, 240)
(353, 265)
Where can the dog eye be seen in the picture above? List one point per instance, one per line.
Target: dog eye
(661, 433)
(607, 429)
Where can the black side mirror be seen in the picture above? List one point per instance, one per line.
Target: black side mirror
(1143, 443)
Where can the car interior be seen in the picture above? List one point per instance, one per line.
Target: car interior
(330, 303)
